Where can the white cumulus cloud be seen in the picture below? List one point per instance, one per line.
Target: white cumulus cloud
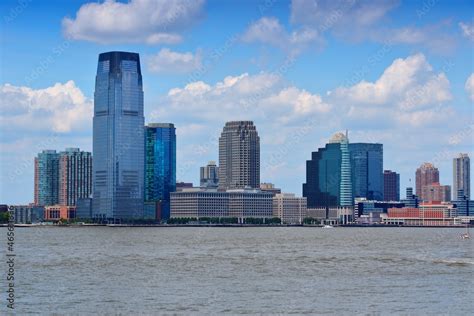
(263, 96)
(352, 21)
(138, 21)
(409, 91)
(269, 30)
(349, 16)
(60, 108)
(469, 86)
(467, 30)
(168, 61)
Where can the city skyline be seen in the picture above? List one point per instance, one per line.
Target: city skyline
(259, 157)
(244, 73)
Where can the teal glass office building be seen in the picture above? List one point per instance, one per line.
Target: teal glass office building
(118, 132)
(160, 164)
(328, 175)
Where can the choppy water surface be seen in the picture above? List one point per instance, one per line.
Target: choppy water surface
(109, 270)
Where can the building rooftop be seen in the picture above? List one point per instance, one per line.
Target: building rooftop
(161, 125)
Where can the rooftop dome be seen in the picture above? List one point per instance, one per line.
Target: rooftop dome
(338, 138)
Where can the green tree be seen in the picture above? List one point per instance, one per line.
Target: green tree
(4, 217)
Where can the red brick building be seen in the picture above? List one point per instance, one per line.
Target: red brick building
(57, 212)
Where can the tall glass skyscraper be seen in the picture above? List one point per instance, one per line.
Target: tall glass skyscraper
(328, 175)
(118, 146)
(367, 170)
(47, 178)
(160, 164)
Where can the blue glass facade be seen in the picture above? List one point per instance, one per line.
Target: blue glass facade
(118, 132)
(160, 165)
(328, 176)
(47, 178)
(367, 170)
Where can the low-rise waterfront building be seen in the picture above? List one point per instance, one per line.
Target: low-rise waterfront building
(331, 215)
(427, 214)
(289, 208)
(364, 206)
(22, 214)
(239, 203)
(28, 214)
(372, 218)
(37, 213)
(58, 212)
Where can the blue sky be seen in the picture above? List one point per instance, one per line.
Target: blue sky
(394, 72)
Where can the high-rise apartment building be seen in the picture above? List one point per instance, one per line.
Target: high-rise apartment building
(209, 175)
(436, 192)
(426, 174)
(75, 176)
(160, 164)
(367, 170)
(47, 178)
(118, 138)
(62, 178)
(328, 175)
(239, 156)
(391, 185)
(462, 175)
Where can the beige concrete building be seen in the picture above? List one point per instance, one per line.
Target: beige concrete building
(240, 203)
(239, 156)
(289, 208)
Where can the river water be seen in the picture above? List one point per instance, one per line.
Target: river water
(279, 270)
